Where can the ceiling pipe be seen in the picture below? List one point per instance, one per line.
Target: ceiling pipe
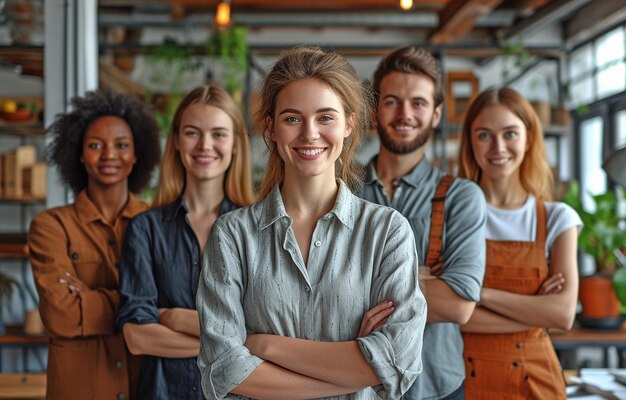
(498, 18)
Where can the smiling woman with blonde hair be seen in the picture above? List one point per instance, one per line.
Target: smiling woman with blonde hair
(287, 283)
(205, 173)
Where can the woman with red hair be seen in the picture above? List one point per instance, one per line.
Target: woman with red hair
(531, 275)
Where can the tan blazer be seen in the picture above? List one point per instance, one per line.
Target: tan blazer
(87, 358)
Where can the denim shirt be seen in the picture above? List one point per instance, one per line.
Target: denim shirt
(463, 252)
(159, 268)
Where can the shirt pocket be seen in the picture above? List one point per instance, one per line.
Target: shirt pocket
(88, 266)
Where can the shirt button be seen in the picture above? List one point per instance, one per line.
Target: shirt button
(194, 388)
(121, 396)
(307, 289)
(317, 243)
(518, 345)
(74, 256)
(112, 242)
(119, 364)
(515, 364)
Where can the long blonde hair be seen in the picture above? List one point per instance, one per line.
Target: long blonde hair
(238, 180)
(535, 174)
(334, 70)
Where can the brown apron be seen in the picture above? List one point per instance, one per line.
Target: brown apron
(520, 365)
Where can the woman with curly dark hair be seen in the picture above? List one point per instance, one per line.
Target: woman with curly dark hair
(105, 150)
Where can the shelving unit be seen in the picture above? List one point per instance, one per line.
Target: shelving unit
(15, 255)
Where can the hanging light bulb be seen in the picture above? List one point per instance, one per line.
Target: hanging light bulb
(222, 14)
(406, 4)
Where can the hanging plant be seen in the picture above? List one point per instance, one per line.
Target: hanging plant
(516, 51)
(230, 48)
(172, 61)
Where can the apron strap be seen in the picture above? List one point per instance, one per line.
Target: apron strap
(541, 223)
(435, 239)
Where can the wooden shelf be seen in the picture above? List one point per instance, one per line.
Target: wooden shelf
(13, 245)
(15, 336)
(12, 256)
(22, 200)
(21, 129)
(29, 58)
(23, 386)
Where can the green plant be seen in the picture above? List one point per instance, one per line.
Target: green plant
(603, 232)
(514, 50)
(230, 47)
(175, 60)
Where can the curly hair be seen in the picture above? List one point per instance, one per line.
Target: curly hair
(68, 131)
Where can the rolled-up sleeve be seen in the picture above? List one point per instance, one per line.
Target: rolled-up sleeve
(138, 289)
(394, 351)
(224, 361)
(464, 240)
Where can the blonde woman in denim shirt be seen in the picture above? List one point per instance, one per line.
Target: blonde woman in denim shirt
(205, 173)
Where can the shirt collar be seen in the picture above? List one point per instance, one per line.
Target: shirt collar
(273, 207)
(88, 212)
(179, 207)
(421, 170)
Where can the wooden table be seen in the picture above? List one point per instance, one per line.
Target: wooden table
(23, 386)
(580, 337)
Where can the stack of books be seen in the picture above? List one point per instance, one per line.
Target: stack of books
(13, 245)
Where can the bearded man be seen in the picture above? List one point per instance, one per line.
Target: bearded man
(447, 215)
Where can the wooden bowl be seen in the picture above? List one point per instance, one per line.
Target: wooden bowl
(17, 115)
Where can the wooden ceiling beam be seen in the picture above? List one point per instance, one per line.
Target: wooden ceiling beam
(459, 17)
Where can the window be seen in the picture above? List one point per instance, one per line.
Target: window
(597, 69)
(620, 129)
(593, 177)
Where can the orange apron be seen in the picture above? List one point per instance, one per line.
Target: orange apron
(520, 365)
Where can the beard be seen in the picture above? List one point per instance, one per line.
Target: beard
(405, 148)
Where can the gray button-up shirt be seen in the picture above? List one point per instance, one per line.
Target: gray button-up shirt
(463, 253)
(254, 280)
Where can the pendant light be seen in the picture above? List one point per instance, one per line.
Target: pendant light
(222, 13)
(406, 4)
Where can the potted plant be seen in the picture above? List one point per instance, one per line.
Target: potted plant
(602, 236)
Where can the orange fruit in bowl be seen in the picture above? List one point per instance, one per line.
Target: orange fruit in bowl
(9, 106)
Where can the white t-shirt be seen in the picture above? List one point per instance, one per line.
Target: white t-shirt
(521, 224)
